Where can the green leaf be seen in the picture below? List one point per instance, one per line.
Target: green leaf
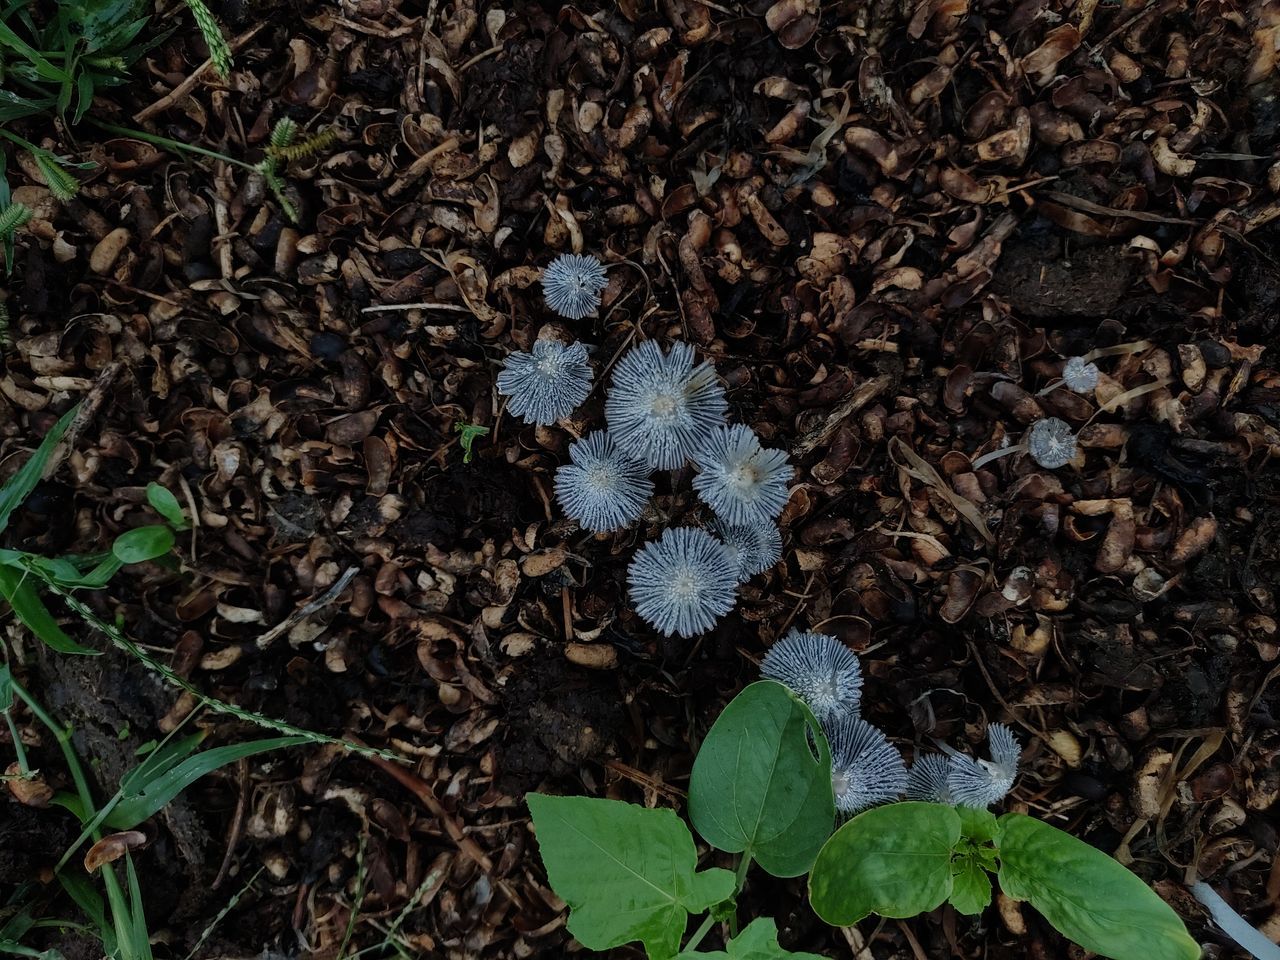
(147, 794)
(970, 885)
(757, 788)
(6, 688)
(1086, 895)
(627, 873)
(139, 940)
(19, 591)
(143, 543)
(893, 860)
(980, 826)
(20, 485)
(166, 504)
(759, 941)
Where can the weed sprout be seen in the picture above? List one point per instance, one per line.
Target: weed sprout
(684, 582)
(740, 480)
(980, 783)
(572, 283)
(820, 670)
(661, 407)
(866, 769)
(755, 547)
(547, 383)
(603, 488)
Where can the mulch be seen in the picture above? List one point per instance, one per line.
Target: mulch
(888, 225)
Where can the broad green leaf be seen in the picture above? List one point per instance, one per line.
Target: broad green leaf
(148, 796)
(166, 504)
(20, 592)
(757, 787)
(20, 485)
(977, 825)
(893, 860)
(143, 543)
(970, 885)
(627, 873)
(1086, 895)
(759, 941)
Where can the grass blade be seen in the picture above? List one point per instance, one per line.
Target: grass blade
(20, 485)
(153, 794)
(30, 609)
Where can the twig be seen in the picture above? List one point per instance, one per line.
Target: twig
(88, 410)
(187, 85)
(308, 608)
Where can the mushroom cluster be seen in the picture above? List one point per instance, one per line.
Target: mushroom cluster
(866, 769)
(664, 410)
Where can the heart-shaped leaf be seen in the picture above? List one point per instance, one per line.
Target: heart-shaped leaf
(761, 783)
(627, 873)
(759, 941)
(893, 860)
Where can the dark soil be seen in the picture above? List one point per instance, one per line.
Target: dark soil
(887, 226)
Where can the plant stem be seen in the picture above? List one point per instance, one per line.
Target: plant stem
(63, 735)
(160, 141)
(740, 879)
(25, 144)
(703, 929)
(18, 748)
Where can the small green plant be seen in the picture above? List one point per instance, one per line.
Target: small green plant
(467, 434)
(283, 148)
(761, 787)
(55, 57)
(907, 858)
(21, 571)
(168, 769)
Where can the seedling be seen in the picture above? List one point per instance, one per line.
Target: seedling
(21, 571)
(283, 148)
(908, 858)
(764, 786)
(467, 434)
